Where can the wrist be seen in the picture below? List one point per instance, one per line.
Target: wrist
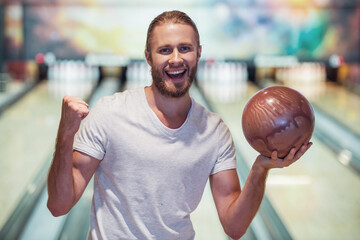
(66, 131)
(65, 137)
(259, 168)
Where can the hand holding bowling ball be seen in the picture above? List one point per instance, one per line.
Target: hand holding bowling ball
(277, 118)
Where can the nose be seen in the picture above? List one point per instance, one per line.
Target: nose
(175, 57)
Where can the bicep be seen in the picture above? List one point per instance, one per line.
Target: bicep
(225, 187)
(84, 167)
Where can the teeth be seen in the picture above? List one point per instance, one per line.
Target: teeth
(176, 72)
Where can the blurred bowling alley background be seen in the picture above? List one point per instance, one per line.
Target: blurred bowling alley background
(53, 48)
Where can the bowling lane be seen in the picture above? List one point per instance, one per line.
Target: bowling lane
(340, 104)
(315, 197)
(74, 225)
(12, 91)
(28, 132)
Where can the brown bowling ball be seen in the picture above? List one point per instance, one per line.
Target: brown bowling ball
(277, 118)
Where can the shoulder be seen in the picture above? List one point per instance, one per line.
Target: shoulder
(118, 100)
(204, 115)
(212, 121)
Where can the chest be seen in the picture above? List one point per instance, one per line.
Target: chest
(143, 149)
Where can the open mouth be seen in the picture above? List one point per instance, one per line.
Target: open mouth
(176, 74)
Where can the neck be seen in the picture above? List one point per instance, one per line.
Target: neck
(172, 112)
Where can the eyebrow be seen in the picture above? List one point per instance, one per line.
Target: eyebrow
(180, 44)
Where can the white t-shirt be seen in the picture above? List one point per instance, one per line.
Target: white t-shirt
(150, 177)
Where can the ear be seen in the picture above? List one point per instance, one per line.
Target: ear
(148, 57)
(199, 53)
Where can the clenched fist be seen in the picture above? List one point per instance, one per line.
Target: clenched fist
(74, 110)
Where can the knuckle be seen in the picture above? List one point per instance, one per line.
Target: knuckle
(68, 102)
(67, 99)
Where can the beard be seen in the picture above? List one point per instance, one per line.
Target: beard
(176, 91)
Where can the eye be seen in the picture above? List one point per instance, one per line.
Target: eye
(184, 49)
(165, 51)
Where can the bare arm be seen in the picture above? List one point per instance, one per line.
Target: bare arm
(70, 171)
(237, 208)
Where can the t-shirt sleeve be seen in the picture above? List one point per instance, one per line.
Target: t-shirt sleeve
(226, 158)
(91, 137)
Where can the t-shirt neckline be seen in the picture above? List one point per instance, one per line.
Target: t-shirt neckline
(156, 120)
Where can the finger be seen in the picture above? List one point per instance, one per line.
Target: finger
(274, 155)
(85, 113)
(80, 101)
(78, 107)
(276, 161)
(302, 150)
(289, 159)
(83, 103)
(74, 100)
(82, 110)
(291, 154)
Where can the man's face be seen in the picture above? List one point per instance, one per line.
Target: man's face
(173, 59)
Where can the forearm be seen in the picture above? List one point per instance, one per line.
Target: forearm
(244, 208)
(60, 178)
(237, 208)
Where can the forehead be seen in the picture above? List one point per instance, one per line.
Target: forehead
(173, 34)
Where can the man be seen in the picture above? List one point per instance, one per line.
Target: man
(153, 149)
